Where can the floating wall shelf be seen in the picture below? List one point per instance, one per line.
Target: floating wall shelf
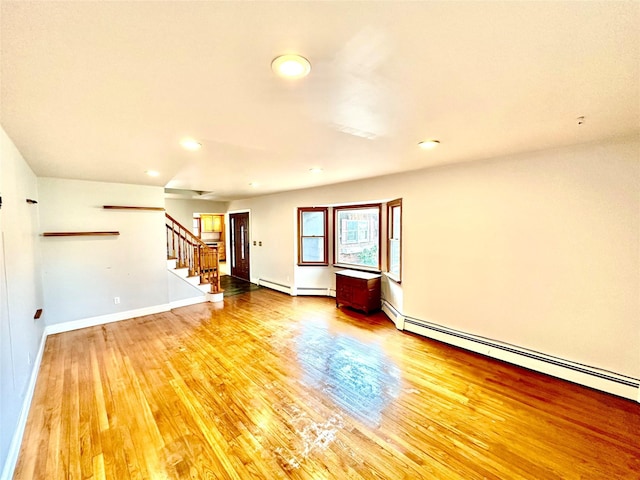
(77, 234)
(121, 207)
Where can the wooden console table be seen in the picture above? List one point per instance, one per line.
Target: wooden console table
(360, 290)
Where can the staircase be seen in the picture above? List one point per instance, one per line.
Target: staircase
(192, 259)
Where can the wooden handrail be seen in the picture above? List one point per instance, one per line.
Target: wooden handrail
(189, 234)
(192, 253)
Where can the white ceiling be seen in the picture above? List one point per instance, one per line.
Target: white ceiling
(106, 90)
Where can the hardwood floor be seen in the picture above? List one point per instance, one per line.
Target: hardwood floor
(271, 386)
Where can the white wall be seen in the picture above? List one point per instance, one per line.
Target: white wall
(180, 290)
(82, 275)
(20, 287)
(538, 250)
(182, 210)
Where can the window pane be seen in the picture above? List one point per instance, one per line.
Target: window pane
(395, 212)
(394, 257)
(312, 224)
(349, 231)
(363, 231)
(394, 241)
(313, 249)
(357, 236)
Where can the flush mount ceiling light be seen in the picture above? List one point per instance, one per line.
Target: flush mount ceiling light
(315, 170)
(152, 173)
(429, 144)
(291, 66)
(253, 184)
(191, 144)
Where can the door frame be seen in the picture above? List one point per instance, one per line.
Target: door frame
(230, 251)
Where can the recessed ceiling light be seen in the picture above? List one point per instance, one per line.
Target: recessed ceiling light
(191, 144)
(315, 170)
(152, 173)
(429, 144)
(291, 66)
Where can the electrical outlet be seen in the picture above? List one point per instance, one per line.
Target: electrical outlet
(116, 300)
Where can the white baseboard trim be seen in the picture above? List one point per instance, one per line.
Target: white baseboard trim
(16, 440)
(396, 317)
(102, 319)
(277, 286)
(188, 301)
(603, 380)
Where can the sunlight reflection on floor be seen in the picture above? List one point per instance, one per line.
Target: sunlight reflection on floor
(357, 376)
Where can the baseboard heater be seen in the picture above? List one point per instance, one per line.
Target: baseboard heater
(614, 383)
(325, 292)
(392, 310)
(275, 286)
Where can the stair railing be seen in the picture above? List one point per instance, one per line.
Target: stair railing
(192, 253)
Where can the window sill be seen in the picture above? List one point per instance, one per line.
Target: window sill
(357, 267)
(393, 277)
(313, 264)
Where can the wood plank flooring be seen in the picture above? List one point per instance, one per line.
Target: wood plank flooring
(269, 386)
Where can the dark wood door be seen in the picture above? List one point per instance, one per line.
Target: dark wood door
(239, 245)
